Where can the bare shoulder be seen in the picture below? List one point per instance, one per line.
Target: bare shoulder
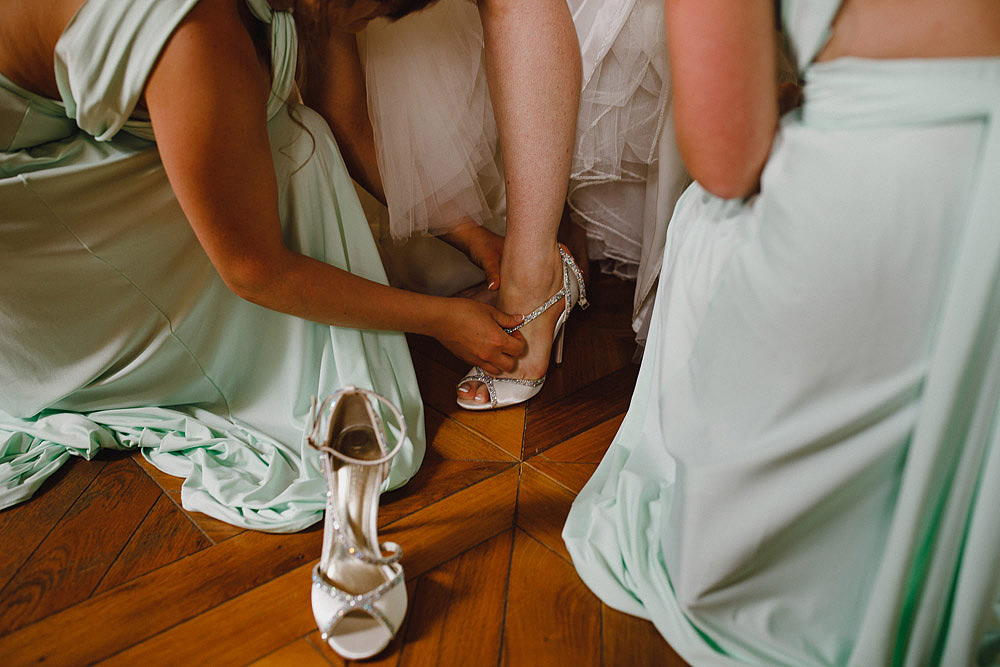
(214, 44)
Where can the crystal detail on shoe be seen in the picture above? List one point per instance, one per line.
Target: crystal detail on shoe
(350, 546)
(479, 375)
(350, 602)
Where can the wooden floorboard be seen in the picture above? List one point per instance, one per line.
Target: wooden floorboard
(552, 618)
(25, 526)
(105, 566)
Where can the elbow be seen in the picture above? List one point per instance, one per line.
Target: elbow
(727, 161)
(729, 185)
(251, 279)
(735, 176)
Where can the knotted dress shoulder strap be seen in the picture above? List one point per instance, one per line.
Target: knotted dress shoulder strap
(808, 25)
(109, 48)
(284, 52)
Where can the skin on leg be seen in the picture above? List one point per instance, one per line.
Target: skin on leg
(534, 71)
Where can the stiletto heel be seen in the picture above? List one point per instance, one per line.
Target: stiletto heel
(358, 596)
(506, 391)
(559, 344)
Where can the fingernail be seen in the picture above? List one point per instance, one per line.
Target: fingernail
(491, 285)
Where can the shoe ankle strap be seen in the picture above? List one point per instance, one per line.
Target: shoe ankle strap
(318, 437)
(565, 293)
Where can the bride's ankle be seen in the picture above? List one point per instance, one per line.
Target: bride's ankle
(531, 280)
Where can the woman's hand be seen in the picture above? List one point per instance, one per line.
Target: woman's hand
(481, 246)
(473, 332)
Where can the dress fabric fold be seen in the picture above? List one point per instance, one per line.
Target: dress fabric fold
(117, 331)
(808, 471)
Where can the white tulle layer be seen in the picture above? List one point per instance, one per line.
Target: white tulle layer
(433, 121)
(437, 139)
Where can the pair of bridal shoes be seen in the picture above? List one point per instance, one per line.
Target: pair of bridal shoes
(358, 595)
(504, 391)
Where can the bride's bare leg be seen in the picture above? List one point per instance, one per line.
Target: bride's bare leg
(533, 67)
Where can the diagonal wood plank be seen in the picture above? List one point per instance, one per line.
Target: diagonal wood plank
(551, 619)
(31, 521)
(542, 507)
(634, 642)
(457, 610)
(451, 526)
(242, 629)
(186, 588)
(437, 479)
(586, 447)
(69, 564)
(571, 476)
(165, 535)
(589, 354)
(547, 424)
(214, 530)
(449, 439)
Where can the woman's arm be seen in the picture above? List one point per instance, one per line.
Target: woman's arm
(724, 101)
(335, 87)
(206, 99)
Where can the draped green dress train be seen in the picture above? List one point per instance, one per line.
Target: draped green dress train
(115, 329)
(809, 471)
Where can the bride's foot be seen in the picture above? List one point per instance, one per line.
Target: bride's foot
(481, 246)
(563, 287)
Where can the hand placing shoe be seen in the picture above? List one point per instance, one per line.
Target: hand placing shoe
(474, 332)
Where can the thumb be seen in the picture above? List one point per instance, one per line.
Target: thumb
(505, 320)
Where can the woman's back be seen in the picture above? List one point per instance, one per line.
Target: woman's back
(914, 29)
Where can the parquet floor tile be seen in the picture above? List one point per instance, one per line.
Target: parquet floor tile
(552, 618)
(26, 526)
(542, 508)
(634, 642)
(586, 447)
(104, 566)
(456, 612)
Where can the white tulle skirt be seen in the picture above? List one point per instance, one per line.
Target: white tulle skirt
(437, 139)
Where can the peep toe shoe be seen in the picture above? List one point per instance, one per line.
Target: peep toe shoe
(358, 595)
(504, 391)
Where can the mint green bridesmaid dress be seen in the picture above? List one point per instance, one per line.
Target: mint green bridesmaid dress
(116, 331)
(809, 471)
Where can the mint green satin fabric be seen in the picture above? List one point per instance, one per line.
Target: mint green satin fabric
(116, 330)
(809, 470)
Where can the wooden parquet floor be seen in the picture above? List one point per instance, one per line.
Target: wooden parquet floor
(104, 566)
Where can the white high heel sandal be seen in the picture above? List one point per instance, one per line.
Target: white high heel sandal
(358, 595)
(506, 391)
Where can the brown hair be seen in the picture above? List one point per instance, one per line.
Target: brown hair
(311, 17)
(312, 24)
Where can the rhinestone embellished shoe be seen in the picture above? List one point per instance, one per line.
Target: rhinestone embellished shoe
(358, 595)
(506, 391)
